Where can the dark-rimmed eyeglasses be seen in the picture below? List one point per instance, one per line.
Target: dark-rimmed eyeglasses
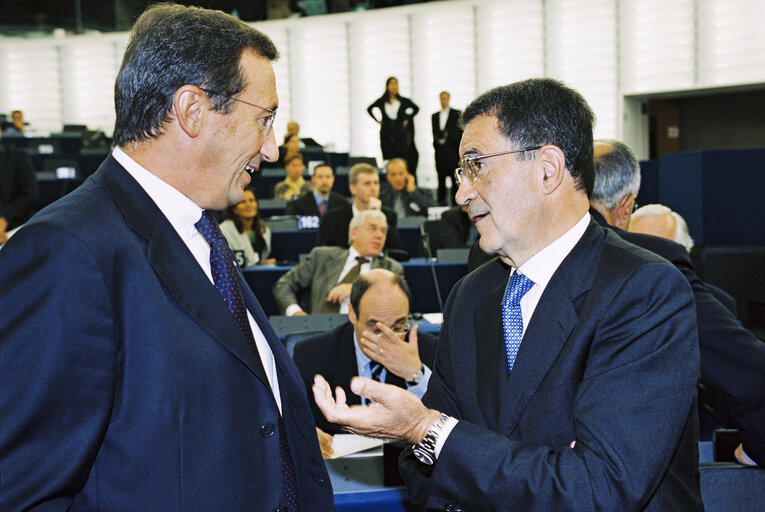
(470, 166)
(267, 122)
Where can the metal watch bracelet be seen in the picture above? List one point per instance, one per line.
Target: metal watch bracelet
(425, 450)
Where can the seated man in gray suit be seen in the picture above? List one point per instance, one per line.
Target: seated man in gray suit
(376, 343)
(329, 271)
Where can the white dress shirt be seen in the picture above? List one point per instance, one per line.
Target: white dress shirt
(443, 116)
(540, 269)
(183, 213)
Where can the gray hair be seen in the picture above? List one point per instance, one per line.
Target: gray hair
(681, 236)
(360, 218)
(617, 173)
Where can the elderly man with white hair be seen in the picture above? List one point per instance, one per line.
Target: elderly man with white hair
(659, 220)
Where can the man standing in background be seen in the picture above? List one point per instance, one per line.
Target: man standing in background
(446, 142)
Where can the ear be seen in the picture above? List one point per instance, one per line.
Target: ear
(190, 104)
(553, 168)
(351, 315)
(623, 212)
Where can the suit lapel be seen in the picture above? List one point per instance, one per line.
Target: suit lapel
(550, 326)
(174, 263)
(491, 363)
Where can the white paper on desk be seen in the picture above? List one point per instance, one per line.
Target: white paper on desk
(345, 444)
(434, 318)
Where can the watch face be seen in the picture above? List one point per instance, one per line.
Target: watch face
(423, 456)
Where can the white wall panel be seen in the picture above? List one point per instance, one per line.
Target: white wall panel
(731, 42)
(509, 42)
(582, 52)
(443, 51)
(319, 81)
(657, 45)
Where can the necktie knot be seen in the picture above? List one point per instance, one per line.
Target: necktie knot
(512, 319)
(208, 228)
(519, 285)
(361, 260)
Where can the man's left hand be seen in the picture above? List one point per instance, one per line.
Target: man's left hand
(400, 357)
(394, 414)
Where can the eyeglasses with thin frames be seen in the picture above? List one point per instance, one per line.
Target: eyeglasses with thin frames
(403, 333)
(471, 165)
(267, 121)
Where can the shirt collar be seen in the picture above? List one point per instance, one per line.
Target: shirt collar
(541, 267)
(181, 211)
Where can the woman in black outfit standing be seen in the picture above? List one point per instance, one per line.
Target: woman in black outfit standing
(396, 124)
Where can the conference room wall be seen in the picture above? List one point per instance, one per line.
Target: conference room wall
(333, 66)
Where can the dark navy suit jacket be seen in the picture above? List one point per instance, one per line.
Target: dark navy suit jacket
(609, 359)
(333, 355)
(126, 383)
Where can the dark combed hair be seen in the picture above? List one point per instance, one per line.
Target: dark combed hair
(362, 284)
(171, 46)
(543, 111)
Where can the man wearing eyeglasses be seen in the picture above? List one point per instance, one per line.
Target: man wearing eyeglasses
(138, 371)
(378, 342)
(566, 368)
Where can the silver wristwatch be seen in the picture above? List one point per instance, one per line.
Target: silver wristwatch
(417, 377)
(425, 451)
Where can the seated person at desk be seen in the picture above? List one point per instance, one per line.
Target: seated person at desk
(290, 148)
(294, 185)
(322, 199)
(376, 343)
(364, 183)
(329, 271)
(18, 190)
(401, 193)
(248, 237)
(456, 228)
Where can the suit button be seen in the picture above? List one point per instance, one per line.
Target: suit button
(282, 509)
(267, 430)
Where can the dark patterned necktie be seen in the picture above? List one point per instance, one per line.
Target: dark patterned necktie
(322, 207)
(226, 282)
(348, 278)
(512, 320)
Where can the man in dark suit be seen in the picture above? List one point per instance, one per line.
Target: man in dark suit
(566, 369)
(400, 192)
(18, 189)
(446, 142)
(364, 184)
(322, 199)
(376, 341)
(732, 359)
(327, 272)
(128, 381)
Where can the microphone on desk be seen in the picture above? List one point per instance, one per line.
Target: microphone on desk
(425, 237)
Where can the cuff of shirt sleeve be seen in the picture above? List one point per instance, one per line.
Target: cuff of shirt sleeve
(449, 425)
(420, 388)
(292, 309)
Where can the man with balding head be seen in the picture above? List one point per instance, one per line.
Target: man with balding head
(659, 220)
(377, 342)
(566, 368)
